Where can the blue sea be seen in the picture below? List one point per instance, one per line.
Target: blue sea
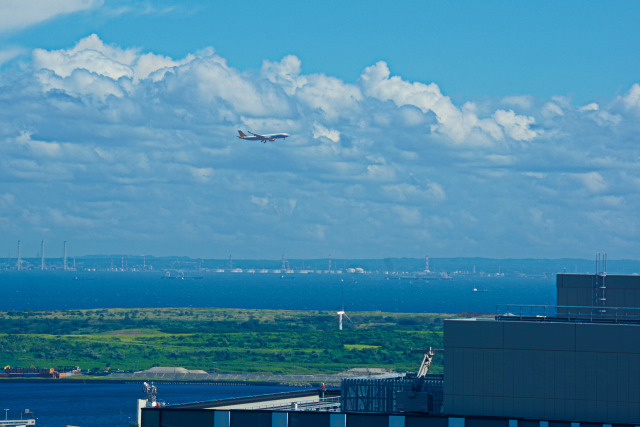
(38, 290)
(104, 404)
(99, 404)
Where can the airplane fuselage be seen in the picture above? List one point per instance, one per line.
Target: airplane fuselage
(263, 138)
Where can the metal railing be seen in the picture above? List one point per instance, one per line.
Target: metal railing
(541, 313)
(324, 404)
(17, 423)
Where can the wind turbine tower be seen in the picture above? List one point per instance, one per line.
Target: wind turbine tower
(42, 255)
(342, 313)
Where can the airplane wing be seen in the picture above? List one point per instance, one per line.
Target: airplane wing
(258, 135)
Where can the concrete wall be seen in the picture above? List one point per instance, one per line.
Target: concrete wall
(203, 417)
(167, 417)
(543, 370)
(578, 290)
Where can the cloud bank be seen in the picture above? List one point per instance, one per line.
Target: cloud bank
(117, 150)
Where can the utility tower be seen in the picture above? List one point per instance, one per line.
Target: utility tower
(42, 255)
(19, 262)
(64, 256)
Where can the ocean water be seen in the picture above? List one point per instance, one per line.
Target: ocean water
(38, 290)
(104, 404)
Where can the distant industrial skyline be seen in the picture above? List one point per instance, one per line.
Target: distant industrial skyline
(464, 129)
(63, 253)
(47, 257)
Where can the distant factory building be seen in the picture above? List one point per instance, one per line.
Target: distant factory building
(570, 365)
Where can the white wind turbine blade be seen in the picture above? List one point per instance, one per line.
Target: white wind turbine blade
(345, 315)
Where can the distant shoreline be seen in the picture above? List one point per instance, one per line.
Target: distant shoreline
(239, 383)
(240, 379)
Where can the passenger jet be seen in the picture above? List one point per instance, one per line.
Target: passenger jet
(263, 138)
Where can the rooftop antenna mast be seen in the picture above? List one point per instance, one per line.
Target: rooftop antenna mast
(601, 263)
(151, 392)
(600, 286)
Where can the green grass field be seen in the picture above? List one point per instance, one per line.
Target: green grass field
(222, 340)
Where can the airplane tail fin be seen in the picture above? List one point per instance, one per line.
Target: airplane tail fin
(242, 135)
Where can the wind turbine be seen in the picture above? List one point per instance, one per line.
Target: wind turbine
(342, 313)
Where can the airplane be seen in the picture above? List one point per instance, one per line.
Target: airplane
(263, 138)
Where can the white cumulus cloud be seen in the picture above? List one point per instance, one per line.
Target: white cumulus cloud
(458, 124)
(517, 127)
(590, 107)
(320, 131)
(632, 99)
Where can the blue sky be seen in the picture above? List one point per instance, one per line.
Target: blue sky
(498, 129)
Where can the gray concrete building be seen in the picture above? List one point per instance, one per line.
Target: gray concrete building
(598, 290)
(579, 361)
(544, 370)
